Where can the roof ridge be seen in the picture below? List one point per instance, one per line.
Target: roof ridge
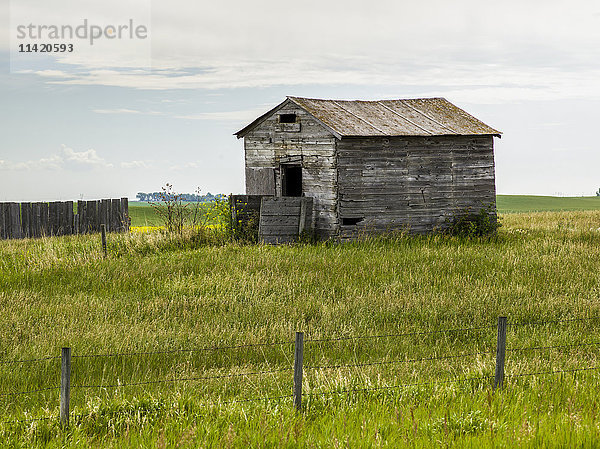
(433, 116)
(292, 97)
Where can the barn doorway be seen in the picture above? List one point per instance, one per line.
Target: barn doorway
(291, 180)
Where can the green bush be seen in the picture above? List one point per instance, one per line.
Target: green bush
(466, 223)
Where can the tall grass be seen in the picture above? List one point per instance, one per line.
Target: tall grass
(154, 292)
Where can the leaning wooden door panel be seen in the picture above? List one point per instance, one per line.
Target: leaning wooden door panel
(283, 219)
(260, 181)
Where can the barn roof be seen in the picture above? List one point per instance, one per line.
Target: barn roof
(410, 117)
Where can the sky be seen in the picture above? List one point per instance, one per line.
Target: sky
(126, 115)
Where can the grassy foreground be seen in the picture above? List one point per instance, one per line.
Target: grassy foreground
(154, 294)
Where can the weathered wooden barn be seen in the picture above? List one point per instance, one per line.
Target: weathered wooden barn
(373, 166)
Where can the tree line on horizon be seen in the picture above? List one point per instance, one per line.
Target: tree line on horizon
(186, 197)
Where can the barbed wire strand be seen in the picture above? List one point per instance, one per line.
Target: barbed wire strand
(543, 323)
(50, 357)
(390, 387)
(536, 348)
(323, 393)
(105, 413)
(29, 391)
(236, 401)
(277, 343)
(405, 334)
(183, 379)
(386, 362)
(540, 373)
(46, 418)
(271, 398)
(173, 351)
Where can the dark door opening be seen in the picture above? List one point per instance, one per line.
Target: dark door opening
(291, 182)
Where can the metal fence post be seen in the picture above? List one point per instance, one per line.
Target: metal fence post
(103, 231)
(298, 356)
(65, 385)
(500, 353)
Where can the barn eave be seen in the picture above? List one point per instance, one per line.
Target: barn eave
(244, 131)
(385, 118)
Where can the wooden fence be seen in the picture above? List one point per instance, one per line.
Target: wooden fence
(32, 220)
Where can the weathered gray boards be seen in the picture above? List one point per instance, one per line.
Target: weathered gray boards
(284, 219)
(373, 166)
(271, 219)
(30, 220)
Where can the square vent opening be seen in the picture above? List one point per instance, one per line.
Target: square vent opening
(287, 118)
(351, 221)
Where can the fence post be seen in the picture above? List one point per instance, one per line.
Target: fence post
(298, 356)
(233, 214)
(500, 353)
(65, 385)
(103, 231)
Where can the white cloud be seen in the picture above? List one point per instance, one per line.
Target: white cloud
(135, 164)
(85, 159)
(474, 84)
(50, 73)
(67, 158)
(53, 162)
(238, 116)
(186, 166)
(125, 111)
(519, 51)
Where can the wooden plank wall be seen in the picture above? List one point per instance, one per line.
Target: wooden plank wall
(412, 183)
(282, 219)
(307, 143)
(32, 220)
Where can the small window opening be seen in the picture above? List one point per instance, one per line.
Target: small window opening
(292, 180)
(287, 118)
(351, 221)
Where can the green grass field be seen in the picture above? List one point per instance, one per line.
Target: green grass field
(153, 293)
(530, 203)
(142, 214)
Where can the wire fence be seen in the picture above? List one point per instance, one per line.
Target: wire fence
(298, 369)
(184, 379)
(404, 334)
(395, 362)
(174, 351)
(392, 387)
(549, 322)
(10, 362)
